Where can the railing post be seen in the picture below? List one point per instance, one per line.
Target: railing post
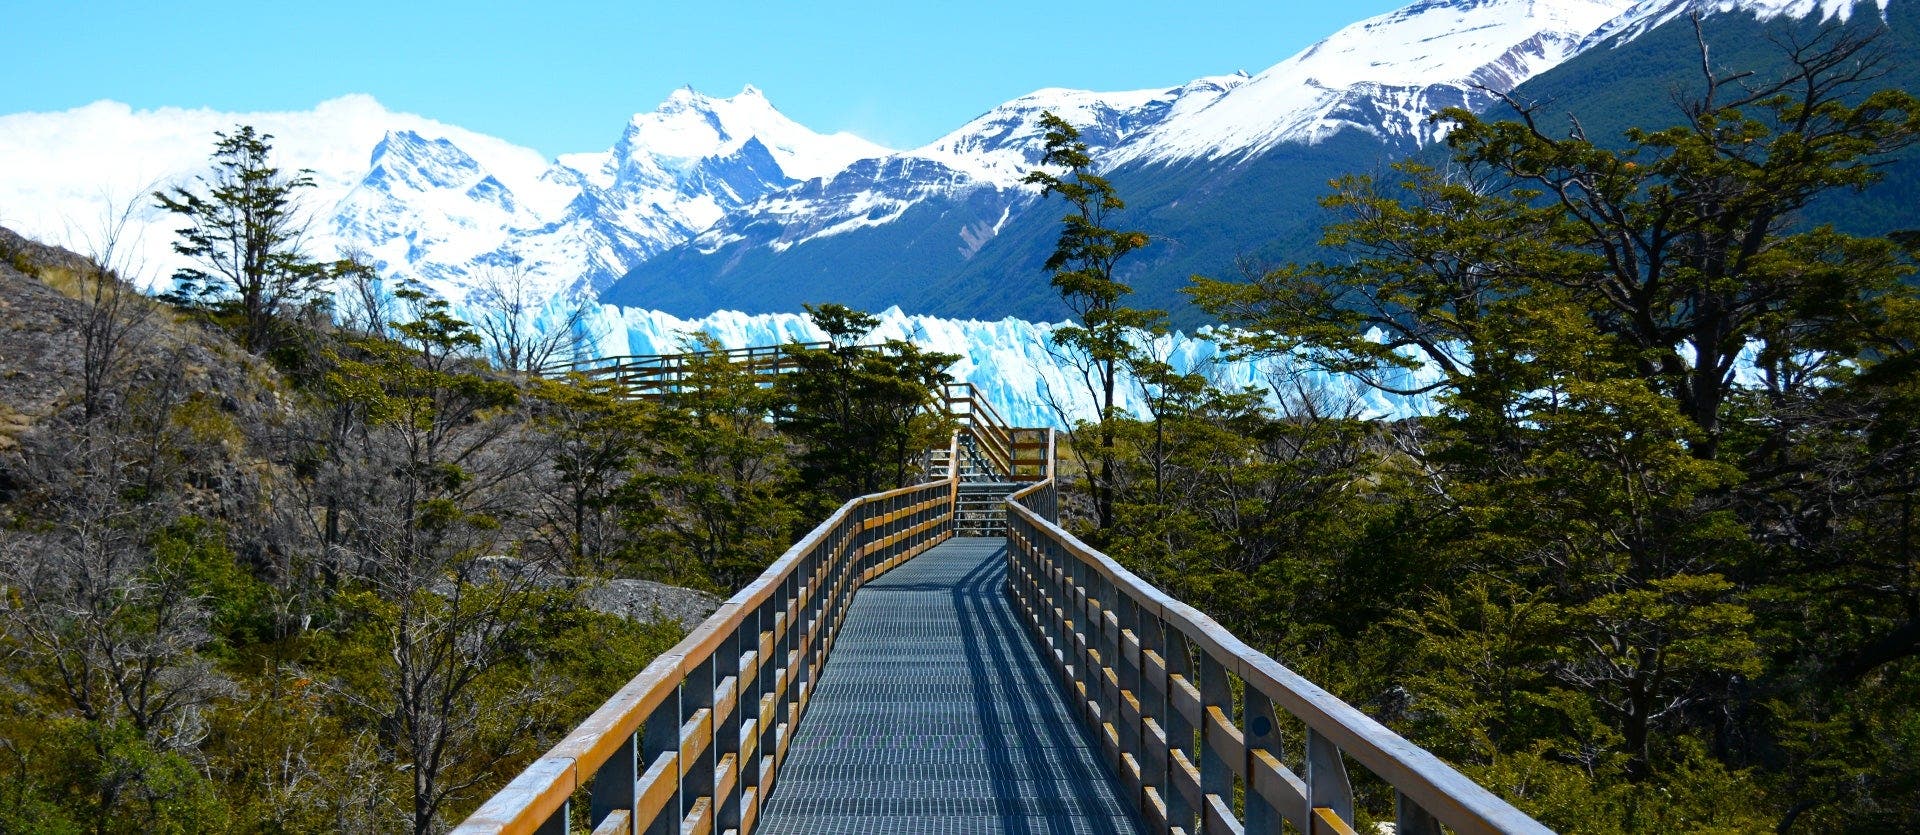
(1109, 673)
(1131, 713)
(696, 779)
(1262, 733)
(613, 784)
(1327, 786)
(1216, 776)
(1153, 708)
(1180, 812)
(1410, 819)
(1048, 562)
(559, 823)
(1087, 634)
(726, 729)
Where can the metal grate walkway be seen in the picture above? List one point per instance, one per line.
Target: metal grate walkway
(935, 715)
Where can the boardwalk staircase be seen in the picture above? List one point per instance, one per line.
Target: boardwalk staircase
(946, 658)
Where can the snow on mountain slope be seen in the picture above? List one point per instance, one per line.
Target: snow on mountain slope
(993, 153)
(1382, 75)
(1001, 146)
(59, 170)
(425, 200)
(690, 126)
(1650, 14)
(673, 172)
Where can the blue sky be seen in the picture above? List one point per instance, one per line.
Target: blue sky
(562, 76)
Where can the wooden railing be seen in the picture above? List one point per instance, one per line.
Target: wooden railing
(1016, 453)
(1190, 717)
(696, 740)
(651, 376)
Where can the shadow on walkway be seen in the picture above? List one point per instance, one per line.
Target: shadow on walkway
(936, 714)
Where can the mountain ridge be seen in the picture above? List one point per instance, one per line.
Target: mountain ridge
(706, 203)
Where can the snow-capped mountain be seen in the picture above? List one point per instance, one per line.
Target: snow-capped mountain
(59, 172)
(1648, 15)
(900, 228)
(425, 200)
(935, 206)
(673, 172)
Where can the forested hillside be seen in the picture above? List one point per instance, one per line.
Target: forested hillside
(354, 578)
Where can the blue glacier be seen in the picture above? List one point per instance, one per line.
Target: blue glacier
(1013, 362)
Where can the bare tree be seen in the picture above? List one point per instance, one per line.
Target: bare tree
(98, 623)
(116, 325)
(522, 332)
(423, 485)
(361, 299)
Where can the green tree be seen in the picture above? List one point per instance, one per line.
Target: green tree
(591, 435)
(243, 231)
(435, 441)
(859, 411)
(1656, 436)
(714, 505)
(1084, 263)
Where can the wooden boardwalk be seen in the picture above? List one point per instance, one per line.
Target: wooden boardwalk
(935, 714)
(884, 676)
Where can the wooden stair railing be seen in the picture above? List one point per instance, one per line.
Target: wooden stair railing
(696, 740)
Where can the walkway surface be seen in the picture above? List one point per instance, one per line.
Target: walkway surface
(935, 715)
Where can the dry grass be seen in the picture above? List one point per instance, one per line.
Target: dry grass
(12, 426)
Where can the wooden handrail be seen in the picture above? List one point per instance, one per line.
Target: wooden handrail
(1156, 681)
(698, 737)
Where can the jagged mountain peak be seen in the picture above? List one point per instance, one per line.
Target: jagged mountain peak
(437, 159)
(691, 126)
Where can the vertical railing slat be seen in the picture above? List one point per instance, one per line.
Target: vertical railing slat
(613, 784)
(1180, 731)
(1327, 784)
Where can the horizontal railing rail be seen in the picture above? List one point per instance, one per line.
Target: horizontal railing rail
(650, 376)
(1189, 716)
(696, 740)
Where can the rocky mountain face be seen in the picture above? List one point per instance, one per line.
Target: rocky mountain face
(884, 226)
(427, 210)
(949, 229)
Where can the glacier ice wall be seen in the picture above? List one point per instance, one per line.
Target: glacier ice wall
(1013, 362)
